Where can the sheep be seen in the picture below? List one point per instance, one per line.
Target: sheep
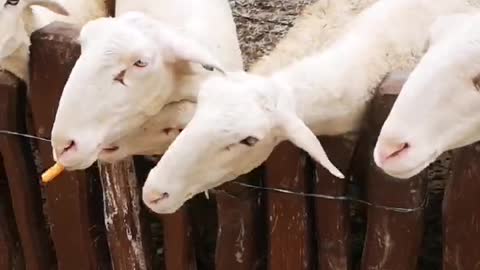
(439, 106)
(133, 65)
(19, 18)
(155, 136)
(241, 117)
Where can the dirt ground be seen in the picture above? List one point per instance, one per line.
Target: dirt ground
(260, 25)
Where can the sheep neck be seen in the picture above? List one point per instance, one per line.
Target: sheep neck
(331, 89)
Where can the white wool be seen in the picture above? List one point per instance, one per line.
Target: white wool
(439, 106)
(241, 117)
(171, 43)
(28, 16)
(315, 28)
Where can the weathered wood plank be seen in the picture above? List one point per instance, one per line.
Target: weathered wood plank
(289, 225)
(22, 178)
(74, 206)
(110, 6)
(122, 216)
(178, 241)
(393, 239)
(11, 257)
(241, 237)
(332, 216)
(461, 211)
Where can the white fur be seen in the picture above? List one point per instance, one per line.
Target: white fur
(19, 21)
(326, 92)
(172, 47)
(315, 28)
(438, 108)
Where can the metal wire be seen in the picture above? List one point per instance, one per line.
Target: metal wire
(339, 198)
(284, 191)
(7, 132)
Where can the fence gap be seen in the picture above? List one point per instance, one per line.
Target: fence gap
(393, 240)
(71, 199)
(289, 225)
(241, 238)
(332, 217)
(22, 178)
(461, 212)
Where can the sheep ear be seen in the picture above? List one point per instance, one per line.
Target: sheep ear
(49, 4)
(177, 47)
(186, 50)
(299, 134)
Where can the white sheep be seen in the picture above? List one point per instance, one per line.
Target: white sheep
(438, 108)
(153, 137)
(19, 18)
(315, 27)
(133, 65)
(241, 117)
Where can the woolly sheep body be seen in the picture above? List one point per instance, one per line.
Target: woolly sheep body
(315, 28)
(241, 117)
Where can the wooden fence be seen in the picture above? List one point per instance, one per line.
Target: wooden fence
(94, 219)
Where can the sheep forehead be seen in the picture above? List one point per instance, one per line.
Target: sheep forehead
(236, 89)
(110, 32)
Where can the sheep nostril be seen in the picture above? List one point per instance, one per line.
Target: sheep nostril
(70, 146)
(402, 147)
(162, 197)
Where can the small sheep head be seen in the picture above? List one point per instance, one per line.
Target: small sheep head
(238, 121)
(153, 137)
(438, 108)
(128, 70)
(13, 33)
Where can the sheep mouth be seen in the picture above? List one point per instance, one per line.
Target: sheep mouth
(110, 149)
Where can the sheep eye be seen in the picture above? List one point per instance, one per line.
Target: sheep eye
(249, 141)
(11, 3)
(476, 82)
(140, 64)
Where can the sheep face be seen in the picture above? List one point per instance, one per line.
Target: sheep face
(239, 120)
(153, 137)
(125, 75)
(438, 107)
(13, 33)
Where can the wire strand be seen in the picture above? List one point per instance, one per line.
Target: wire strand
(7, 132)
(339, 198)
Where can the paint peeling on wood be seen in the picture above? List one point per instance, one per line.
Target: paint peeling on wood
(122, 216)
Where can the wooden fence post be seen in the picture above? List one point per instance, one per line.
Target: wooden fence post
(393, 239)
(23, 181)
(178, 241)
(241, 238)
(74, 200)
(11, 256)
(461, 211)
(288, 217)
(122, 205)
(332, 217)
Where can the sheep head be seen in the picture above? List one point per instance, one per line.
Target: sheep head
(129, 68)
(238, 121)
(13, 33)
(153, 137)
(438, 108)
